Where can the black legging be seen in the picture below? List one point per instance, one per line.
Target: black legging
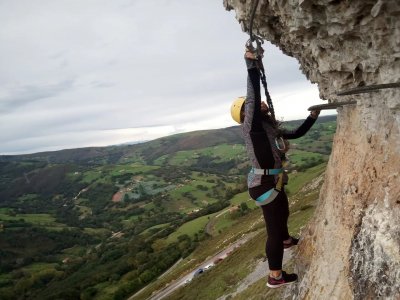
(276, 215)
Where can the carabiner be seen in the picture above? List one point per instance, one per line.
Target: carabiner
(279, 145)
(258, 50)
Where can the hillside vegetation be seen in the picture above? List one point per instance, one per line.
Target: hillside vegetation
(102, 223)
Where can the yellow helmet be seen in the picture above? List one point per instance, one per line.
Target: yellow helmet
(236, 108)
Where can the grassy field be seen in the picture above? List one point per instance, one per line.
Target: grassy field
(153, 229)
(45, 220)
(37, 267)
(103, 174)
(100, 232)
(207, 248)
(5, 210)
(318, 139)
(180, 204)
(132, 168)
(226, 218)
(151, 189)
(220, 153)
(75, 251)
(224, 221)
(195, 192)
(239, 198)
(221, 280)
(224, 278)
(299, 179)
(227, 230)
(91, 176)
(190, 228)
(300, 157)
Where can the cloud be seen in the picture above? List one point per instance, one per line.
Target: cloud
(96, 138)
(80, 73)
(23, 95)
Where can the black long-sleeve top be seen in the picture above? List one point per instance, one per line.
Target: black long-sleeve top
(260, 134)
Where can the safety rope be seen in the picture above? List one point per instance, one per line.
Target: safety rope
(258, 51)
(253, 13)
(269, 100)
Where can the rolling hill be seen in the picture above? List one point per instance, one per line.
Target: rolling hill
(101, 223)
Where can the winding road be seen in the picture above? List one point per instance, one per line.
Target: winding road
(181, 281)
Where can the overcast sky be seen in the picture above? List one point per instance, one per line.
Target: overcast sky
(79, 73)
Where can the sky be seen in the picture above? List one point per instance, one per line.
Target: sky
(79, 73)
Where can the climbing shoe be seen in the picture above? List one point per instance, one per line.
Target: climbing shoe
(283, 280)
(293, 242)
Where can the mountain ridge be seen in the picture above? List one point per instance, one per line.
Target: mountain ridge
(182, 141)
(105, 224)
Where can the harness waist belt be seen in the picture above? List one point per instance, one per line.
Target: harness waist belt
(266, 171)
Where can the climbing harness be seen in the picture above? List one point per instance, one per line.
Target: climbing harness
(265, 171)
(279, 184)
(258, 53)
(267, 197)
(271, 194)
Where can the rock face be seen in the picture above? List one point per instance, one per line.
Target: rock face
(351, 249)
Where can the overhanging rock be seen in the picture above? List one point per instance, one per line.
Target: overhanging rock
(351, 249)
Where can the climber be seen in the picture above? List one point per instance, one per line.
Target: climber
(266, 145)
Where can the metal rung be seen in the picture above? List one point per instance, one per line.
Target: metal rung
(369, 88)
(331, 105)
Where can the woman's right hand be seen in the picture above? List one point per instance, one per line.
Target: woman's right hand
(314, 114)
(254, 53)
(250, 55)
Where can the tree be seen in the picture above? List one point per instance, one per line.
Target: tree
(202, 187)
(159, 244)
(243, 207)
(142, 190)
(146, 276)
(141, 257)
(89, 293)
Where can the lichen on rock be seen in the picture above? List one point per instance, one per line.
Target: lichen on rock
(375, 252)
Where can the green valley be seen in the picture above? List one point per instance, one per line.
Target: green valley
(104, 223)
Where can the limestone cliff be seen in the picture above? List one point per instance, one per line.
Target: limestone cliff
(351, 249)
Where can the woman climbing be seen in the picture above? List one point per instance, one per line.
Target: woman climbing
(266, 145)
